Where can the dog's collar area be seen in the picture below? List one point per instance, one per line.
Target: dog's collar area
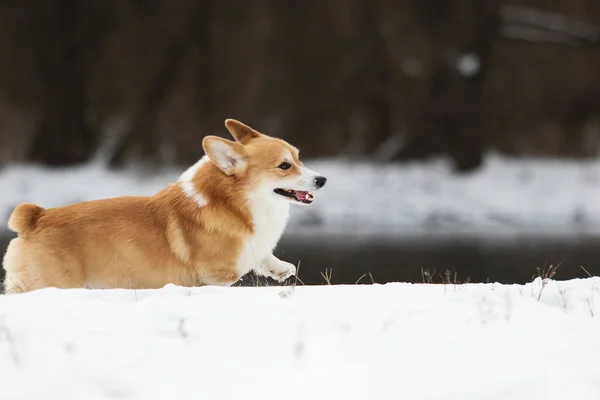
(301, 196)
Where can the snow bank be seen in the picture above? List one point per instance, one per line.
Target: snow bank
(396, 341)
(505, 196)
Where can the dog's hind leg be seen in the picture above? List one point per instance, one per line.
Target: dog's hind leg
(16, 279)
(28, 269)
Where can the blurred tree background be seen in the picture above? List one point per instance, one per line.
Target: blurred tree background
(144, 80)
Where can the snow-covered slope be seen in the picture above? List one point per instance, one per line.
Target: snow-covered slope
(397, 341)
(505, 196)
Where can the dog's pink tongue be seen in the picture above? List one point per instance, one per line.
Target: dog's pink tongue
(300, 195)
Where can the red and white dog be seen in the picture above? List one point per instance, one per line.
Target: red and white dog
(222, 219)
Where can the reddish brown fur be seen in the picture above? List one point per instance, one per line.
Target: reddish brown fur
(24, 217)
(144, 242)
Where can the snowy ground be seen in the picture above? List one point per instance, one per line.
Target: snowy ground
(505, 196)
(396, 341)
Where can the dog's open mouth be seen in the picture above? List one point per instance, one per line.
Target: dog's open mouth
(298, 195)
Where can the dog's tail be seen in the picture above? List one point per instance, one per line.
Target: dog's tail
(24, 218)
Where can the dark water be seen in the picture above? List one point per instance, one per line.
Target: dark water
(467, 258)
(391, 259)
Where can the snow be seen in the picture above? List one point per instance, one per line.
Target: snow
(506, 196)
(468, 65)
(393, 341)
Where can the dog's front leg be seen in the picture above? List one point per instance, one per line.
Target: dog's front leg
(276, 269)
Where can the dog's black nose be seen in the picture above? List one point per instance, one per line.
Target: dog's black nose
(320, 181)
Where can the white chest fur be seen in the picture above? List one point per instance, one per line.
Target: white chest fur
(270, 219)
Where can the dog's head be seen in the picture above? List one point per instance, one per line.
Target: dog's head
(265, 165)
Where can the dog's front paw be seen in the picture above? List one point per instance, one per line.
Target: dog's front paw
(282, 271)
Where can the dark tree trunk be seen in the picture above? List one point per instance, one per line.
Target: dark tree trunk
(62, 137)
(450, 119)
(143, 136)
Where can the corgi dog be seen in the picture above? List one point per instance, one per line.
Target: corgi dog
(219, 221)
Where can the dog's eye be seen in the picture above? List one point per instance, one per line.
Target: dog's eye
(285, 165)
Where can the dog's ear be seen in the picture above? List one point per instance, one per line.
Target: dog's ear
(240, 132)
(229, 156)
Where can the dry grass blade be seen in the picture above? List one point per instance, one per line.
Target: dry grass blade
(427, 276)
(545, 275)
(595, 286)
(297, 279)
(590, 303)
(327, 275)
(359, 279)
(363, 275)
